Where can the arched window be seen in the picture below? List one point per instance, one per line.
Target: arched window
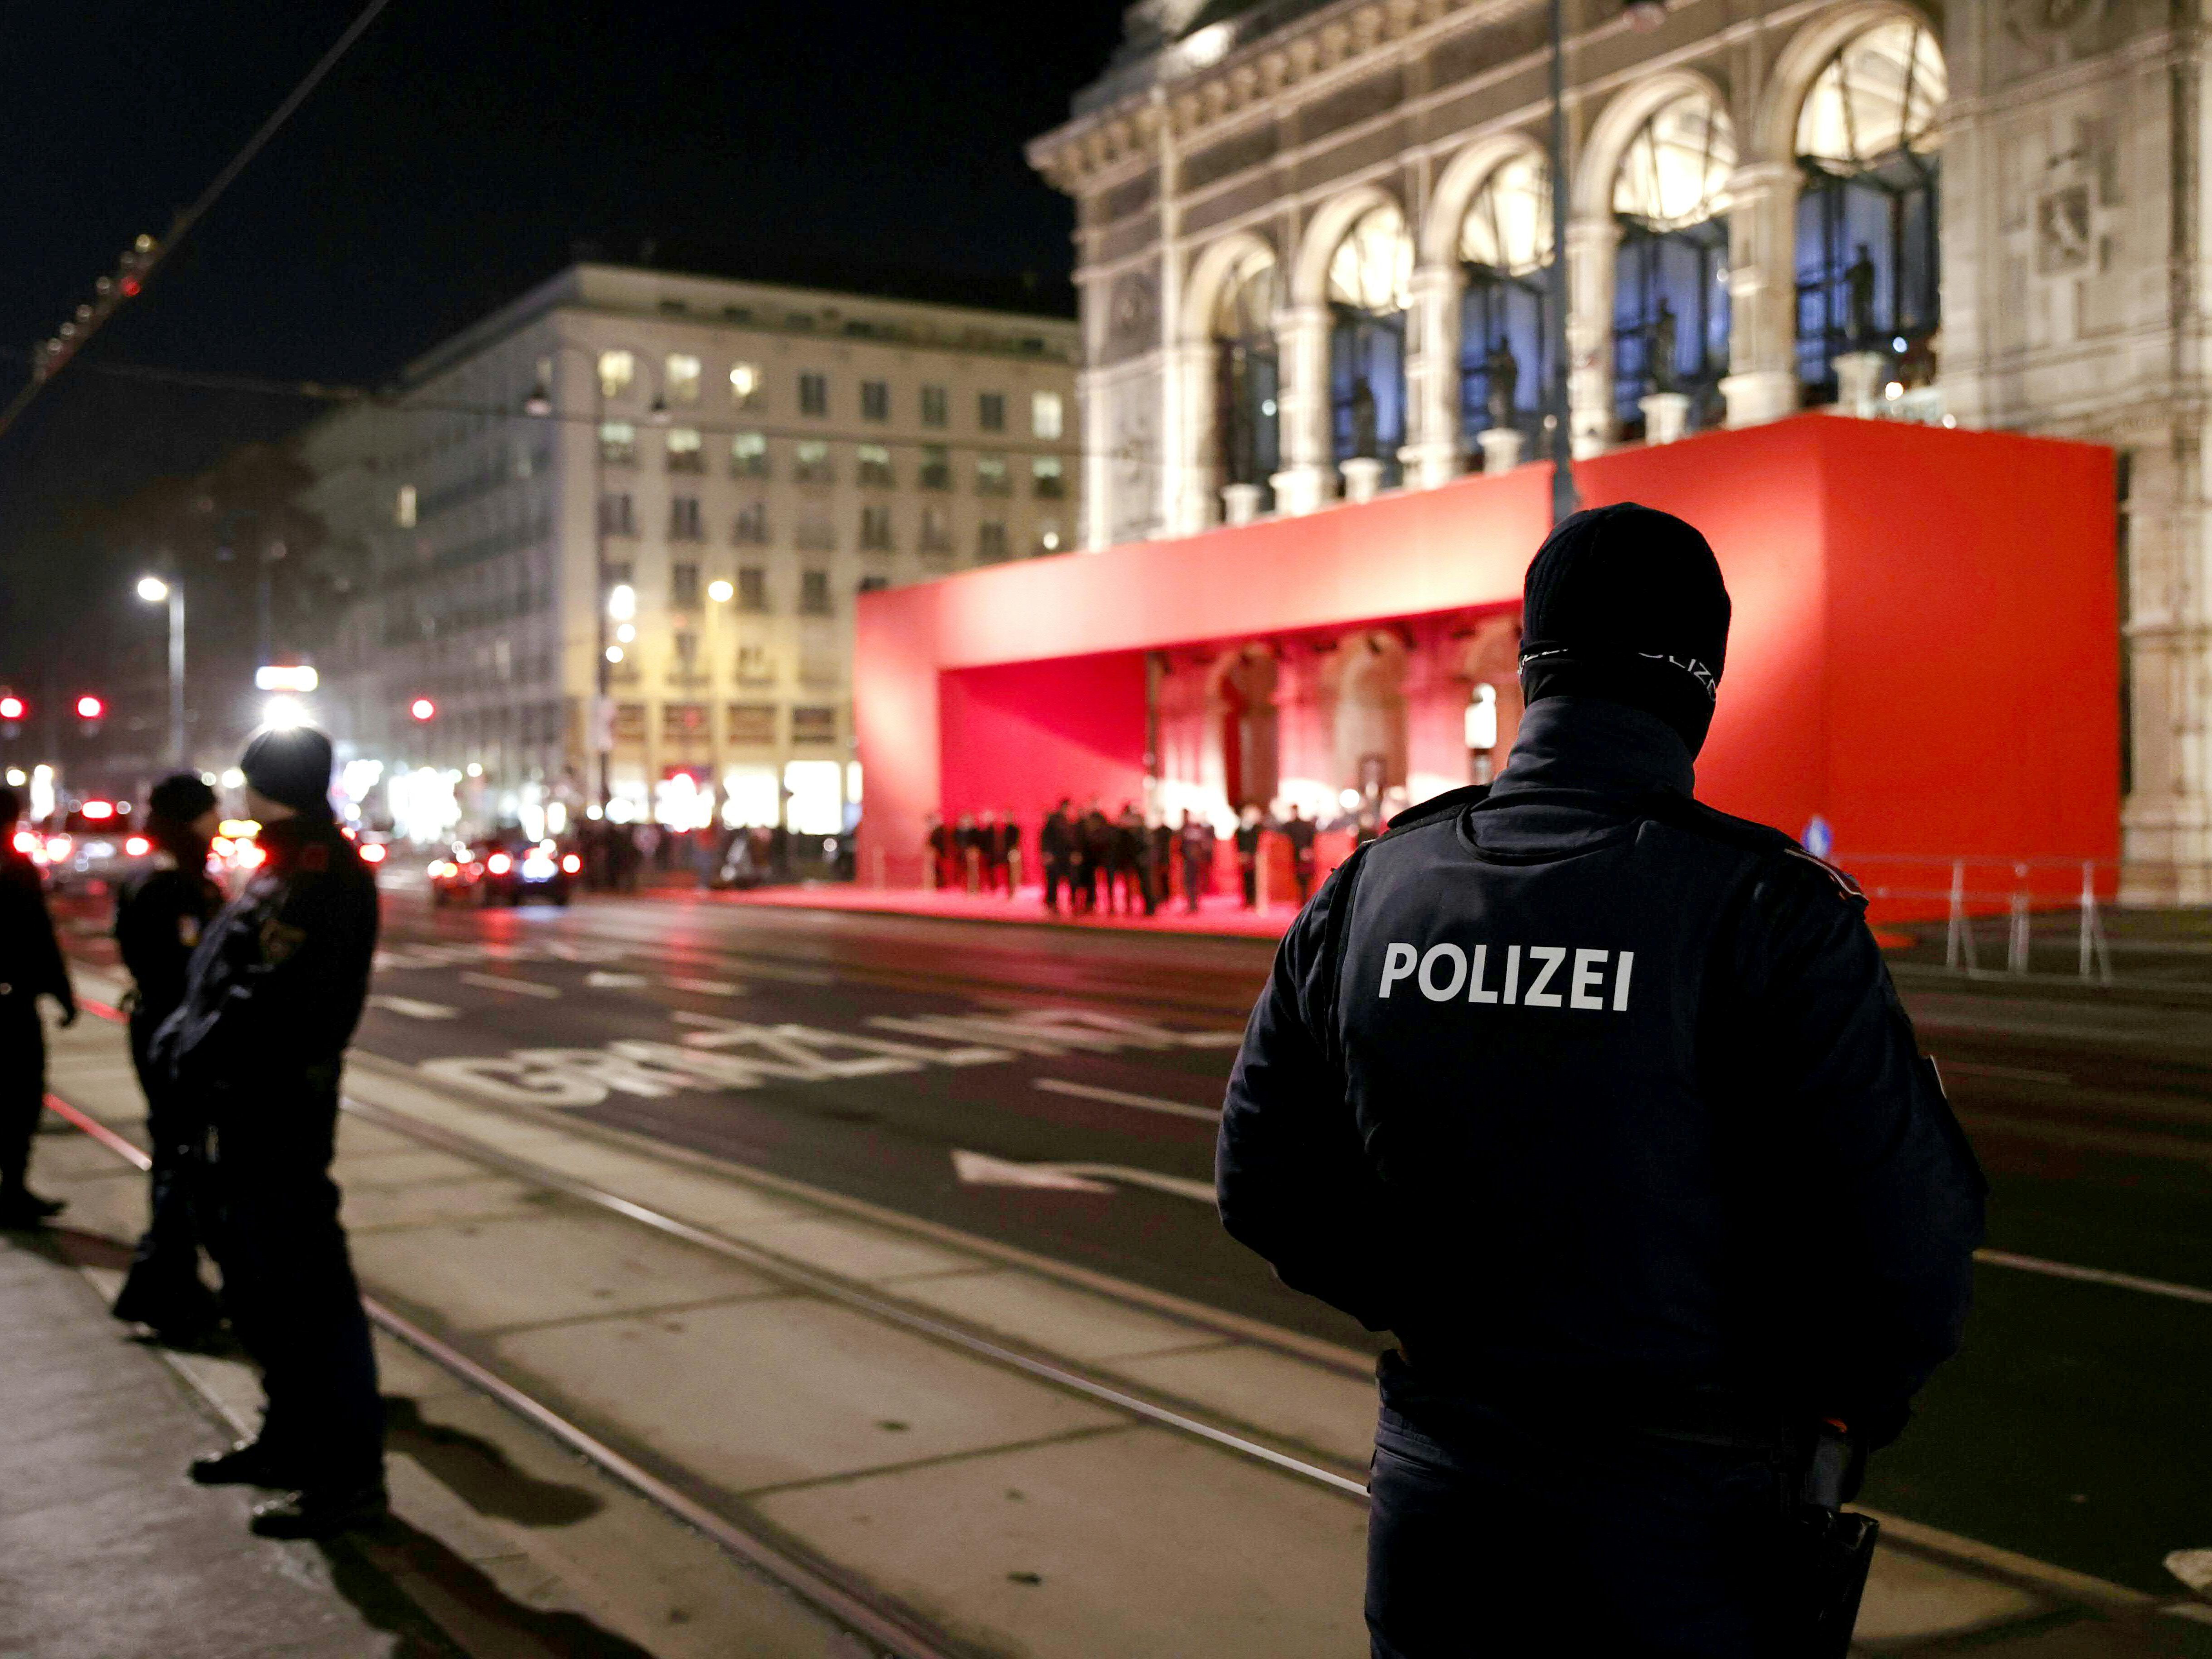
(1369, 279)
(1246, 382)
(1670, 319)
(1505, 249)
(1868, 138)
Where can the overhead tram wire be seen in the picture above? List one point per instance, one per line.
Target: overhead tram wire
(183, 224)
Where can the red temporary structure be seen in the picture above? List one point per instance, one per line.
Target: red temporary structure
(1925, 649)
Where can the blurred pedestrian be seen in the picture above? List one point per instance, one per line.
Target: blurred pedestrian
(1299, 830)
(30, 967)
(1056, 849)
(1250, 826)
(937, 850)
(1195, 841)
(1129, 859)
(1095, 858)
(160, 916)
(275, 989)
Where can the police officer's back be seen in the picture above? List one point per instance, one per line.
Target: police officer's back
(30, 967)
(274, 990)
(1603, 1103)
(160, 916)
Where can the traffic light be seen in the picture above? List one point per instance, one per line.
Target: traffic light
(424, 709)
(89, 708)
(13, 707)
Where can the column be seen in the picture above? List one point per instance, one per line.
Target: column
(1431, 454)
(1097, 459)
(1307, 480)
(1591, 242)
(1761, 384)
(1189, 438)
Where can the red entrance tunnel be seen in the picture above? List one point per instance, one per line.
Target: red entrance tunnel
(1924, 650)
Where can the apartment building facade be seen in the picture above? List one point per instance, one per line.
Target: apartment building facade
(615, 532)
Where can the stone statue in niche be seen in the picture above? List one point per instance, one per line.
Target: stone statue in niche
(1363, 435)
(1503, 370)
(1858, 284)
(1661, 366)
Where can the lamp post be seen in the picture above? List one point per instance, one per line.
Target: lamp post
(1566, 499)
(540, 404)
(154, 590)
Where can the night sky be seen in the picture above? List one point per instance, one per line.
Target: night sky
(459, 154)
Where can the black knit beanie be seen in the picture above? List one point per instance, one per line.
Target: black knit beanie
(1626, 603)
(291, 765)
(178, 799)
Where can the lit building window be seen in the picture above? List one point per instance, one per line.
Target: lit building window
(1869, 142)
(682, 384)
(752, 588)
(934, 405)
(1370, 278)
(812, 462)
(991, 410)
(936, 471)
(1045, 479)
(684, 454)
(750, 723)
(814, 799)
(813, 394)
(617, 369)
(1045, 415)
(744, 385)
(617, 443)
(876, 527)
(814, 594)
(935, 536)
(748, 455)
(875, 400)
(1248, 430)
(991, 478)
(1505, 252)
(990, 541)
(403, 510)
(1670, 323)
(874, 462)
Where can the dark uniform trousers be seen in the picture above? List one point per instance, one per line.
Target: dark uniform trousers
(164, 1281)
(288, 1282)
(22, 1082)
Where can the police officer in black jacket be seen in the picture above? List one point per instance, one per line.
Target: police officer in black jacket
(274, 991)
(160, 916)
(1603, 1104)
(30, 967)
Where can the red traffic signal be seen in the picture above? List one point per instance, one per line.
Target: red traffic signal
(423, 709)
(13, 707)
(90, 708)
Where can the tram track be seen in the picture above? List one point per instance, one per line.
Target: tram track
(877, 1618)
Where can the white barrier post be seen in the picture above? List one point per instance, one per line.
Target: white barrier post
(2094, 948)
(2016, 951)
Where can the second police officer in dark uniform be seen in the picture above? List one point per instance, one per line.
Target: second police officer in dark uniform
(1602, 1102)
(159, 916)
(274, 992)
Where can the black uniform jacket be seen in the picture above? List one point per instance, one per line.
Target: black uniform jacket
(1590, 1093)
(159, 916)
(277, 984)
(30, 957)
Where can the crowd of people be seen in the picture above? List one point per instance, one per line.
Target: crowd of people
(1089, 862)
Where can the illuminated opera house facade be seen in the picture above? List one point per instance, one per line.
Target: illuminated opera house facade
(1313, 249)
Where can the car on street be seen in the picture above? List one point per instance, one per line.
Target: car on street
(92, 850)
(504, 870)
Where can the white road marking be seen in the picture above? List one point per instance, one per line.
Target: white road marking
(707, 988)
(981, 1169)
(2009, 1073)
(498, 982)
(606, 982)
(2033, 1264)
(1115, 1097)
(413, 1008)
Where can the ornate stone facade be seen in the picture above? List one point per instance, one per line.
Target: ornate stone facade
(1719, 267)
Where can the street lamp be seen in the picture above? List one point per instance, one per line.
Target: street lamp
(155, 590)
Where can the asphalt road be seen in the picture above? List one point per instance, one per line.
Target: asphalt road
(941, 1068)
